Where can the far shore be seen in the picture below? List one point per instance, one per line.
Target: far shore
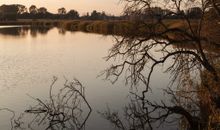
(116, 27)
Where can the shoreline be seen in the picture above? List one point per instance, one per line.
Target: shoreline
(114, 27)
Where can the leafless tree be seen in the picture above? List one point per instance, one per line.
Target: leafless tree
(185, 44)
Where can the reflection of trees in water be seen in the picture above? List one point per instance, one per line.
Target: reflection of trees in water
(23, 31)
(14, 31)
(34, 31)
(194, 86)
(62, 31)
(194, 103)
(65, 110)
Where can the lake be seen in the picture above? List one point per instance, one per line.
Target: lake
(29, 59)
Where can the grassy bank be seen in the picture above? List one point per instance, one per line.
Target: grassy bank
(119, 27)
(102, 27)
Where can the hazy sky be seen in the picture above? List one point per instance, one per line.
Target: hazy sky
(82, 6)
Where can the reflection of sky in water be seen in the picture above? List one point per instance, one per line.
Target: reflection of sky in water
(28, 64)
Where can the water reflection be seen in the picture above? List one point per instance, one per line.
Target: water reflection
(28, 63)
(137, 59)
(191, 107)
(34, 31)
(64, 110)
(14, 31)
(23, 31)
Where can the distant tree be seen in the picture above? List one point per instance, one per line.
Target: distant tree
(62, 11)
(94, 15)
(214, 5)
(42, 10)
(1, 16)
(21, 9)
(33, 9)
(211, 14)
(195, 12)
(9, 9)
(85, 16)
(72, 14)
(103, 15)
(156, 12)
(10, 12)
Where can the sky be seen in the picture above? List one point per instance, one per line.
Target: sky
(82, 6)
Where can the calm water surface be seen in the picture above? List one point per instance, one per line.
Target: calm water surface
(29, 60)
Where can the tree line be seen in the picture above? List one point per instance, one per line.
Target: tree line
(17, 11)
(159, 13)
